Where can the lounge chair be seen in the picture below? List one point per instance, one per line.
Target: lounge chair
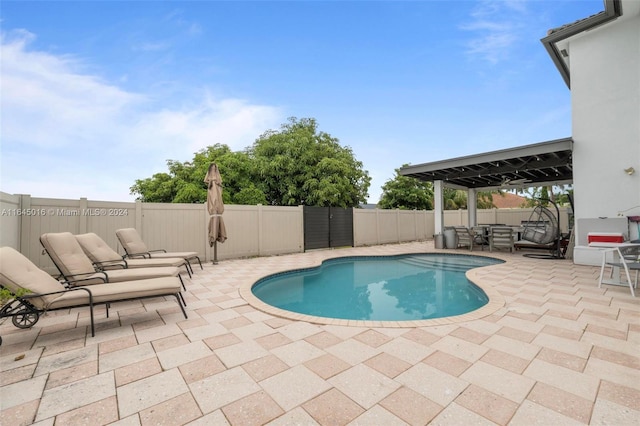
(45, 293)
(624, 258)
(105, 258)
(74, 265)
(135, 247)
(501, 237)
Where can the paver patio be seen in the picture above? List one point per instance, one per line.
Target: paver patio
(555, 350)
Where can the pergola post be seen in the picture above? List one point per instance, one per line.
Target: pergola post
(438, 208)
(472, 207)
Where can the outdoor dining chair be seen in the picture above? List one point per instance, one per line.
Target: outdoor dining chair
(465, 237)
(624, 258)
(501, 237)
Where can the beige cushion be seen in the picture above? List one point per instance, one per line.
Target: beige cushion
(182, 254)
(118, 291)
(96, 249)
(66, 253)
(17, 272)
(119, 275)
(148, 263)
(131, 241)
(100, 252)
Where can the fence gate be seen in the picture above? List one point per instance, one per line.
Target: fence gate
(327, 227)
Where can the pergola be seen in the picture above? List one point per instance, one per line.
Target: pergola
(542, 164)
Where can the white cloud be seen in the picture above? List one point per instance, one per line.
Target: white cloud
(230, 121)
(497, 27)
(67, 133)
(46, 101)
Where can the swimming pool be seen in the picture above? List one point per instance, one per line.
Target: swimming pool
(379, 288)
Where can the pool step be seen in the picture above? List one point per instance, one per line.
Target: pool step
(433, 263)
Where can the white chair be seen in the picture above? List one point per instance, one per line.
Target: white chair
(501, 237)
(625, 257)
(465, 237)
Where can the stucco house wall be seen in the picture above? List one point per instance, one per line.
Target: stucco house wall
(604, 67)
(605, 97)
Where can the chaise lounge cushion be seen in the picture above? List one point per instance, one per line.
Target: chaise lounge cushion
(119, 291)
(133, 244)
(17, 272)
(67, 254)
(96, 249)
(131, 241)
(100, 252)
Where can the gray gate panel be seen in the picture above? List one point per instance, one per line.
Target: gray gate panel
(316, 227)
(341, 227)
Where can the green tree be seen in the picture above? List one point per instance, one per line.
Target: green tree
(485, 199)
(160, 188)
(406, 193)
(564, 197)
(539, 194)
(237, 172)
(454, 199)
(299, 165)
(185, 181)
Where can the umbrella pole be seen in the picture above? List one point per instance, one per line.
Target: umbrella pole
(215, 253)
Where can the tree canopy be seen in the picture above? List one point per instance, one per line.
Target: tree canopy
(296, 165)
(184, 183)
(406, 193)
(543, 194)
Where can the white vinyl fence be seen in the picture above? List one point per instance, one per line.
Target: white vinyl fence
(252, 230)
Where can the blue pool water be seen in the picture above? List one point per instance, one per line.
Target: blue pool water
(387, 288)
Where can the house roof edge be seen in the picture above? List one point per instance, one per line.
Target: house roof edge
(612, 10)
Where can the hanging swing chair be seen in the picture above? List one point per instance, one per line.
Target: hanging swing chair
(543, 228)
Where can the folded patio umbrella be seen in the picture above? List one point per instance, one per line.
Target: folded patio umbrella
(217, 232)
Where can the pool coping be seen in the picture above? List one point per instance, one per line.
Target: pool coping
(496, 300)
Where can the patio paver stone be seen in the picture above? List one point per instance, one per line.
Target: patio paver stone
(549, 348)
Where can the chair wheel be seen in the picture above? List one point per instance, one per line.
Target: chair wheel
(23, 314)
(25, 318)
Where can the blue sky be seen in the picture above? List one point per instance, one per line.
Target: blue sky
(97, 94)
